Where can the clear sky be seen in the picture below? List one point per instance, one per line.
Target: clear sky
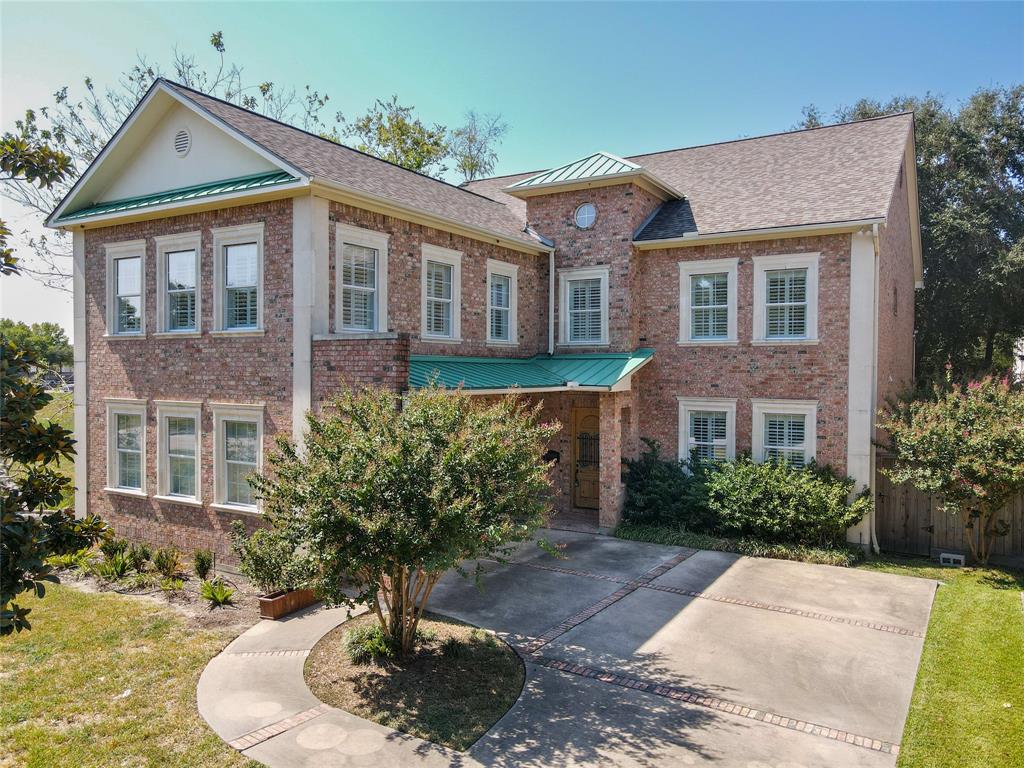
(569, 78)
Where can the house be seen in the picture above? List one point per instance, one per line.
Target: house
(232, 272)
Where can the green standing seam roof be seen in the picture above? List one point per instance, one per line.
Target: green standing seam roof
(210, 189)
(541, 372)
(589, 167)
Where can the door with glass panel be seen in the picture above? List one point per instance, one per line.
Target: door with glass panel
(586, 460)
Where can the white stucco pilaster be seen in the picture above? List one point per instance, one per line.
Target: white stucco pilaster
(309, 299)
(321, 265)
(80, 398)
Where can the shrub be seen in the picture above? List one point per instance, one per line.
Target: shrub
(113, 568)
(202, 563)
(452, 648)
(167, 560)
(113, 546)
(268, 558)
(172, 584)
(368, 643)
(79, 560)
(138, 556)
(217, 593)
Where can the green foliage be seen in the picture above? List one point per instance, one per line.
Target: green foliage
(368, 643)
(138, 557)
(78, 560)
(167, 561)
(386, 499)
(114, 546)
(47, 341)
(202, 563)
(114, 567)
(965, 442)
(474, 145)
(660, 490)
(173, 584)
(391, 132)
(269, 559)
(217, 593)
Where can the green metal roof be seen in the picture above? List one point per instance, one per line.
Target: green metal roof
(589, 167)
(541, 372)
(210, 189)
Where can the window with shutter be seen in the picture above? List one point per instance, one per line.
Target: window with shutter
(359, 287)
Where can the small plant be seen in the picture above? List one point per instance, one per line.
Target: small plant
(167, 561)
(217, 593)
(113, 546)
(172, 584)
(79, 560)
(202, 563)
(452, 648)
(137, 580)
(138, 556)
(268, 559)
(367, 644)
(113, 568)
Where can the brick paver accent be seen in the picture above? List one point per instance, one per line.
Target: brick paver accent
(249, 654)
(276, 729)
(713, 702)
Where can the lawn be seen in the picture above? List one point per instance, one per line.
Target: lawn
(968, 705)
(61, 410)
(105, 680)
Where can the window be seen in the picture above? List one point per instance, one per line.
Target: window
(784, 430)
(126, 283)
(585, 216)
(584, 306)
(707, 427)
(502, 301)
(178, 432)
(126, 446)
(442, 289)
(361, 293)
(786, 298)
(178, 293)
(707, 301)
(238, 435)
(238, 275)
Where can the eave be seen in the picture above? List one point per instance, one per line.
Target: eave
(766, 233)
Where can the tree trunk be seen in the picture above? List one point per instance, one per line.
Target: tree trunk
(400, 604)
(990, 341)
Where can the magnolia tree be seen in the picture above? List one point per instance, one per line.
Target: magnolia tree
(384, 497)
(967, 444)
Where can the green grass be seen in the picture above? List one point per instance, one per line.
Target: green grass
(968, 704)
(680, 537)
(61, 411)
(105, 680)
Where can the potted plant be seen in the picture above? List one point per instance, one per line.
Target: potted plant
(270, 561)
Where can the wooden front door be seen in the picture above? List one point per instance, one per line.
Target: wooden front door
(586, 442)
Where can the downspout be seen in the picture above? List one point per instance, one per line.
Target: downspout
(874, 385)
(551, 301)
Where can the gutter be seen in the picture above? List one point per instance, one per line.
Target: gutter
(551, 301)
(758, 233)
(873, 537)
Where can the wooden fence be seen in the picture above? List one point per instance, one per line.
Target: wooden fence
(909, 521)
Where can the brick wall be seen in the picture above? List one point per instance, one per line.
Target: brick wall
(208, 369)
(359, 363)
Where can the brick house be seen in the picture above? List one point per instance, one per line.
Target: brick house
(232, 272)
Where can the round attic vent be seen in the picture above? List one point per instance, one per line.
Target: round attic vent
(182, 142)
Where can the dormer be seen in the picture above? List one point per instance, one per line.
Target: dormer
(601, 169)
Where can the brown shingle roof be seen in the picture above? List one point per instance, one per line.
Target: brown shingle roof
(319, 158)
(836, 173)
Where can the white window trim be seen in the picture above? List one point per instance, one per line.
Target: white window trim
(192, 410)
(582, 273)
(806, 408)
(128, 407)
(115, 251)
(168, 244)
(367, 238)
(687, 404)
(511, 271)
(231, 412)
(453, 258)
(763, 264)
(237, 235)
(688, 269)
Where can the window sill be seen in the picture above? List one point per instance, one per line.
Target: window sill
(127, 492)
(178, 334)
(239, 333)
(348, 335)
(783, 342)
(185, 500)
(500, 343)
(709, 343)
(441, 339)
(123, 336)
(583, 344)
(236, 508)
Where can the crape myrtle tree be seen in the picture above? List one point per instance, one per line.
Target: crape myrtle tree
(966, 443)
(385, 496)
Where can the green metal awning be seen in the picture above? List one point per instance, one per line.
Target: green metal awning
(543, 373)
(589, 167)
(183, 194)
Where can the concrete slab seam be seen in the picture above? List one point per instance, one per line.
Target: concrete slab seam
(260, 735)
(285, 653)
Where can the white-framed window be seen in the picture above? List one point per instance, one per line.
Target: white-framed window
(707, 301)
(178, 282)
(361, 269)
(238, 278)
(786, 298)
(502, 302)
(585, 216)
(126, 446)
(784, 430)
(707, 426)
(441, 275)
(126, 288)
(584, 306)
(178, 468)
(238, 453)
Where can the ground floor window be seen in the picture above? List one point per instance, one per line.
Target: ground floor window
(784, 430)
(126, 445)
(238, 453)
(178, 426)
(707, 428)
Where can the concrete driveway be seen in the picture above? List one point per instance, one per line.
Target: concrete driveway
(643, 655)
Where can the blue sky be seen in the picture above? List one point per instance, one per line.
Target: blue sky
(568, 78)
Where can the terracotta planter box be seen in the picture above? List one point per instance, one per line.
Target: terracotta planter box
(281, 603)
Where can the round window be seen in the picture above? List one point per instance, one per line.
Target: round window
(585, 216)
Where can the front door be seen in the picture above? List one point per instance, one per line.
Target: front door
(586, 441)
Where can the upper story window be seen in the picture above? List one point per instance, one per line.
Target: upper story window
(126, 288)
(178, 276)
(238, 278)
(584, 306)
(361, 267)
(126, 445)
(707, 428)
(238, 453)
(707, 301)
(585, 216)
(784, 430)
(786, 298)
(502, 301)
(178, 430)
(441, 293)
